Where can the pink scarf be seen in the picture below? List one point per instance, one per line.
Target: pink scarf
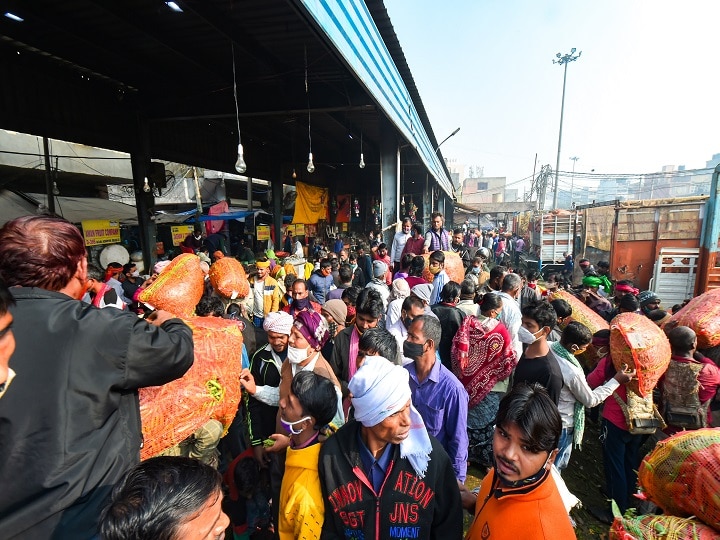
(352, 357)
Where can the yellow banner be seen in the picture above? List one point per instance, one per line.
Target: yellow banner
(299, 229)
(179, 233)
(262, 232)
(311, 203)
(344, 227)
(101, 231)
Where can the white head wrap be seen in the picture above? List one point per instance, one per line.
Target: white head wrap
(422, 291)
(278, 322)
(381, 388)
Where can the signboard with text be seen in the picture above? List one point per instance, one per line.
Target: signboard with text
(179, 233)
(262, 232)
(98, 232)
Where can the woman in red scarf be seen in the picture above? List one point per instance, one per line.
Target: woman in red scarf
(482, 356)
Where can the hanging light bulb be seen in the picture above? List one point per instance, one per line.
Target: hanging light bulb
(362, 162)
(146, 185)
(55, 189)
(311, 165)
(403, 200)
(294, 174)
(240, 165)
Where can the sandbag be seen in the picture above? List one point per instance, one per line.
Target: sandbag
(702, 314)
(652, 527)
(209, 390)
(584, 315)
(453, 267)
(682, 475)
(178, 288)
(227, 276)
(638, 342)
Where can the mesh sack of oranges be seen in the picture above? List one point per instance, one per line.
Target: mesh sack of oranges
(209, 390)
(660, 528)
(682, 476)
(227, 276)
(584, 315)
(702, 314)
(178, 288)
(453, 267)
(637, 342)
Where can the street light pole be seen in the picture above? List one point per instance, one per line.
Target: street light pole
(445, 139)
(563, 60)
(572, 181)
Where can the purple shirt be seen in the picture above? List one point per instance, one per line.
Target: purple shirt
(442, 401)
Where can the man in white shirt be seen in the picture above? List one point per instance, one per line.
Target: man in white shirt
(412, 307)
(511, 316)
(398, 243)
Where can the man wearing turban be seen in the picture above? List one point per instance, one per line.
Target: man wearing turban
(382, 474)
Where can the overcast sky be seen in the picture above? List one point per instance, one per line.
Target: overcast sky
(645, 92)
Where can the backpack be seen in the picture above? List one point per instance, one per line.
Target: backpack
(681, 401)
(640, 413)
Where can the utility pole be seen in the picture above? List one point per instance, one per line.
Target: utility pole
(572, 182)
(562, 60)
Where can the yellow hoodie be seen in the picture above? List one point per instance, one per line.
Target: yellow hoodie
(302, 510)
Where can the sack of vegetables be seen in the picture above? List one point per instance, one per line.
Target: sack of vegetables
(227, 276)
(453, 267)
(637, 342)
(653, 527)
(702, 314)
(682, 476)
(178, 288)
(209, 390)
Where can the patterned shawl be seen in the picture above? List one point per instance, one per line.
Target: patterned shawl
(482, 355)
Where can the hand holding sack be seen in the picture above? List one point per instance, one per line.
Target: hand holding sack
(637, 343)
(702, 314)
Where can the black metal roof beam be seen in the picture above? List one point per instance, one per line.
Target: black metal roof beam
(258, 114)
(139, 25)
(250, 47)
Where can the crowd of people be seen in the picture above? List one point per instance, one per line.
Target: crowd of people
(367, 392)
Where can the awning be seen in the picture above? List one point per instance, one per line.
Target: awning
(74, 209)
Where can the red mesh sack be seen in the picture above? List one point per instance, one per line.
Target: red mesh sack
(584, 315)
(682, 475)
(453, 267)
(227, 276)
(209, 390)
(178, 288)
(660, 528)
(702, 314)
(638, 342)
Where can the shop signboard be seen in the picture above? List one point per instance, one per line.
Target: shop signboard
(180, 233)
(99, 232)
(262, 232)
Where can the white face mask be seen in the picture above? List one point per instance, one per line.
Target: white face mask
(295, 355)
(526, 336)
(6, 384)
(290, 426)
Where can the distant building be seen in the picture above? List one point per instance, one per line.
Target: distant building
(485, 189)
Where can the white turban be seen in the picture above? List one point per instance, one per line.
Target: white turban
(380, 388)
(422, 291)
(278, 322)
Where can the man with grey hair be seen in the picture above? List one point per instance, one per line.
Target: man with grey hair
(437, 394)
(511, 316)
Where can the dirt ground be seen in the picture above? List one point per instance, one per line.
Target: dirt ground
(584, 478)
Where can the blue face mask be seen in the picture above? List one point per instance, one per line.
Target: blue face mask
(475, 269)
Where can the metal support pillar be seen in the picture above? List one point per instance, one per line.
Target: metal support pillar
(249, 194)
(427, 203)
(144, 202)
(277, 199)
(48, 178)
(389, 179)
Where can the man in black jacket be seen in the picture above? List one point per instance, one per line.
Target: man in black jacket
(382, 476)
(70, 422)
